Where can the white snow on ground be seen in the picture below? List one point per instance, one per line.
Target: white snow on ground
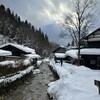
(17, 76)
(75, 83)
(5, 53)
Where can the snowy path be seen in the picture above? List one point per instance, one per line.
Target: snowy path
(35, 88)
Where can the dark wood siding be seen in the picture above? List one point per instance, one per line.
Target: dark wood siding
(94, 44)
(91, 61)
(60, 50)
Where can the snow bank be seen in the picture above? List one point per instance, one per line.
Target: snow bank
(75, 83)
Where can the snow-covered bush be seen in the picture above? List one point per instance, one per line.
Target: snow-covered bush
(8, 64)
(11, 67)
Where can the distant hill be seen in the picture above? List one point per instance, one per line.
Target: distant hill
(23, 32)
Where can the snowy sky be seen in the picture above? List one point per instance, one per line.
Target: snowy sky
(42, 13)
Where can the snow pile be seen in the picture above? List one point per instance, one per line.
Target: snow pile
(7, 63)
(5, 53)
(17, 76)
(39, 62)
(46, 60)
(26, 62)
(75, 83)
(36, 71)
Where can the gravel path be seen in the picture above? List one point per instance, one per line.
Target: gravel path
(35, 88)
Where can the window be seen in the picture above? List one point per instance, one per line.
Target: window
(98, 61)
(92, 62)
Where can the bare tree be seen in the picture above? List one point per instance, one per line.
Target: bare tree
(79, 21)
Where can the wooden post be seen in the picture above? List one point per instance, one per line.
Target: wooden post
(97, 83)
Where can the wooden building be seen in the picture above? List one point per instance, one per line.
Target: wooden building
(63, 53)
(60, 50)
(93, 39)
(59, 54)
(91, 55)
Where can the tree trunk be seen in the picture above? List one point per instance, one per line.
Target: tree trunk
(79, 42)
(79, 55)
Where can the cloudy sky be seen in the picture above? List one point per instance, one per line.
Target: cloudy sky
(38, 12)
(43, 13)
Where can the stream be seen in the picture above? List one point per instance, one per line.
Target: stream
(35, 87)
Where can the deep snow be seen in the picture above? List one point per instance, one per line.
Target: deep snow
(75, 83)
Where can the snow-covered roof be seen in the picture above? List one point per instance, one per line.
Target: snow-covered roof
(71, 47)
(92, 32)
(90, 51)
(60, 55)
(86, 51)
(72, 53)
(5, 53)
(21, 47)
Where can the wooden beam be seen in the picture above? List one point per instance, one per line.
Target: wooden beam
(97, 83)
